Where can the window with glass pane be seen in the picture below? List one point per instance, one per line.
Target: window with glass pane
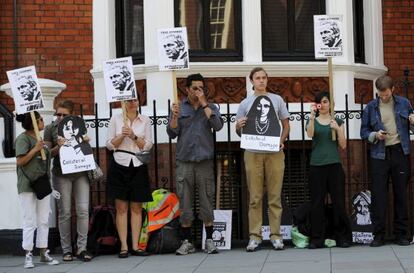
(359, 43)
(130, 29)
(213, 28)
(287, 29)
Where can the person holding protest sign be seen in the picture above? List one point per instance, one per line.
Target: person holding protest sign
(326, 174)
(192, 121)
(128, 179)
(264, 167)
(385, 125)
(76, 183)
(35, 212)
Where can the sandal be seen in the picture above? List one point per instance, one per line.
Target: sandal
(123, 254)
(85, 256)
(67, 257)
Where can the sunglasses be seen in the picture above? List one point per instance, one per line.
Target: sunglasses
(61, 115)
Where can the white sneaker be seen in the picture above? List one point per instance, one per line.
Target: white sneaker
(45, 258)
(210, 247)
(185, 248)
(252, 245)
(277, 244)
(28, 262)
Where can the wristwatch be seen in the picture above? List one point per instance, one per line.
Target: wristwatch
(135, 138)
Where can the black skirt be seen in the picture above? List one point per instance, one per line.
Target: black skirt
(129, 183)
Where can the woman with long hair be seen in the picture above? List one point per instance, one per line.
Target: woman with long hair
(326, 173)
(128, 179)
(35, 212)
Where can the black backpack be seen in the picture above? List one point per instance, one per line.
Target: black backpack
(166, 239)
(102, 235)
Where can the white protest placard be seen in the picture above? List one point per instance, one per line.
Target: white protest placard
(361, 223)
(173, 49)
(26, 91)
(262, 130)
(221, 229)
(119, 79)
(328, 36)
(285, 231)
(75, 155)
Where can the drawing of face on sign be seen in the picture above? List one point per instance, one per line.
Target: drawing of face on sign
(72, 129)
(262, 118)
(121, 79)
(361, 203)
(27, 88)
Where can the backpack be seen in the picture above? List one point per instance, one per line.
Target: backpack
(165, 240)
(102, 234)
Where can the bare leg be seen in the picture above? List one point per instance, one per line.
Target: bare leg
(136, 223)
(122, 222)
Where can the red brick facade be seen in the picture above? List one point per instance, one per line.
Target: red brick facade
(56, 37)
(398, 34)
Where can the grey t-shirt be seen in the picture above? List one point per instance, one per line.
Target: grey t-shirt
(278, 104)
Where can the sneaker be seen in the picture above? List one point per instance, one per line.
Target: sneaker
(45, 258)
(277, 244)
(185, 248)
(252, 245)
(28, 262)
(210, 247)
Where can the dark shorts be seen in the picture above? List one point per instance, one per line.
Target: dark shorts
(129, 183)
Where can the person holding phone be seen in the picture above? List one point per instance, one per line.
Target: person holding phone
(385, 126)
(326, 174)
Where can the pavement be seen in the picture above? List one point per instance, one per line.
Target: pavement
(356, 259)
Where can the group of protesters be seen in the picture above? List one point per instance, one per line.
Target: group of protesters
(385, 125)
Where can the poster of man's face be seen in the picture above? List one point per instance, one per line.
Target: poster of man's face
(26, 89)
(173, 49)
(328, 36)
(119, 79)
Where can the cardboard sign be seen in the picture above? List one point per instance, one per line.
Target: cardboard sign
(76, 155)
(173, 49)
(362, 227)
(26, 91)
(262, 130)
(119, 79)
(328, 36)
(221, 229)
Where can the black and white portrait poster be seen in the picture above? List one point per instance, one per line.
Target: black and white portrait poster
(173, 49)
(362, 227)
(75, 154)
(119, 79)
(262, 130)
(26, 89)
(221, 229)
(328, 36)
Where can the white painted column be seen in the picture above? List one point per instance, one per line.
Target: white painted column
(252, 31)
(374, 45)
(157, 14)
(104, 47)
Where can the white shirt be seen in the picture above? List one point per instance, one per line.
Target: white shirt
(141, 127)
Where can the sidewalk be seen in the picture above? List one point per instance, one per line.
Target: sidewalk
(357, 259)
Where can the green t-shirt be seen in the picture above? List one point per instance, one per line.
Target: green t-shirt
(324, 149)
(35, 168)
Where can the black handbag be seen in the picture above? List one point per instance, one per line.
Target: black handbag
(40, 186)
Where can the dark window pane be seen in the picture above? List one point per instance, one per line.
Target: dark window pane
(134, 27)
(190, 14)
(304, 25)
(359, 43)
(275, 25)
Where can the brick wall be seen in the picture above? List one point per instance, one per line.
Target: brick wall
(398, 33)
(56, 37)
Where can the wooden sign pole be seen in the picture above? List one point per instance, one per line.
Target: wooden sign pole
(175, 93)
(331, 94)
(124, 113)
(36, 129)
